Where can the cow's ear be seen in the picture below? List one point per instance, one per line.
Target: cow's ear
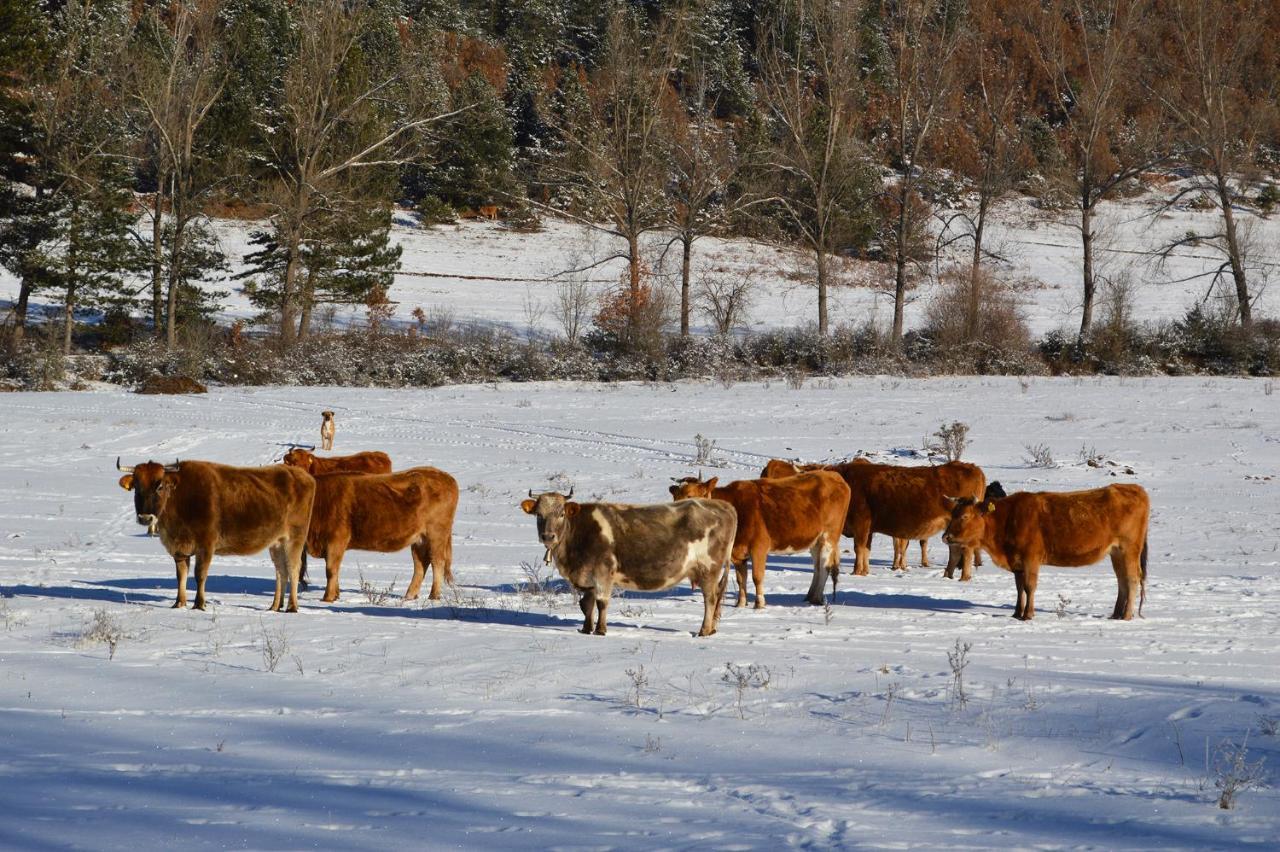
(674, 489)
(711, 483)
(952, 502)
(126, 482)
(571, 509)
(528, 506)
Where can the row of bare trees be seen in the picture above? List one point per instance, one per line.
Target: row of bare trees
(863, 104)
(853, 113)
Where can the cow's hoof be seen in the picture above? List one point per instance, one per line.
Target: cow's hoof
(434, 596)
(199, 605)
(599, 632)
(292, 608)
(329, 598)
(812, 602)
(586, 631)
(759, 604)
(179, 605)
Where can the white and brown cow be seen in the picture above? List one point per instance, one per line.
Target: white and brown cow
(596, 546)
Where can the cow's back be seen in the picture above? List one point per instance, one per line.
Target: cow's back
(653, 545)
(372, 461)
(243, 509)
(1071, 528)
(381, 512)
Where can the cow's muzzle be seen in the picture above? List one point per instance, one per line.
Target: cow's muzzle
(148, 521)
(947, 539)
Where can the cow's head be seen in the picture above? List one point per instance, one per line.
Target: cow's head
(300, 457)
(151, 484)
(995, 491)
(553, 511)
(686, 488)
(968, 520)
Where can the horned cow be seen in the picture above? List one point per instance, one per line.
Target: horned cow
(202, 508)
(1032, 528)
(385, 513)
(791, 515)
(596, 546)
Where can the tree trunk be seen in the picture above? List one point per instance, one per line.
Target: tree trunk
(20, 309)
(822, 291)
(1086, 239)
(69, 306)
(900, 261)
(1234, 254)
(175, 285)
(307, 298)
(288, 328)
(975, 272)
(157, 263)
(687, 253)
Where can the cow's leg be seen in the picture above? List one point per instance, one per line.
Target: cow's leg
(966, 563)
(862, 550)
(740, 572)
(1128, 573)
(759, 560)
(204, 556)
(924, 553)
(181, 564)
(1032, 573)
(1020, 581)
(280, 559)
(818, 585)
(421, 552)
(588, 605)
(602, 606)
(899, 554)
(333, 554)
(712, 599)
(953, 559)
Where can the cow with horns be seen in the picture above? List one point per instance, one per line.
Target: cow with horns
(596, 546)
(201, 508)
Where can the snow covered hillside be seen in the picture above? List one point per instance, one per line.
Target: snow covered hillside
(486, 721)
(480, 272)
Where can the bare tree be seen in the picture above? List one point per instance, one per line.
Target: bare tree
(614, 148)
(1221, 95)
(725, 298)
(703, 160)
(985, 142)
(178, 75)
(812, 171)
(1089, 53)
(923, 38)
(342, 113)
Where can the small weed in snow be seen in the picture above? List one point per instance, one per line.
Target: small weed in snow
(1063, 602)
(1039, 455)
(274, 644)
(374, 594)
(1269, 725)
(958, 659)
(1233, 773)
(949, 441)
(652, 744)
(639, 681)
(703, 449)
(103, 628)
(742, 678)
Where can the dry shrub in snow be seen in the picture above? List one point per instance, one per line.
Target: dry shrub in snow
(976, 309)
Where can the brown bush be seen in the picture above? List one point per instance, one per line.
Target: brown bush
(991, 315)
(171, 384)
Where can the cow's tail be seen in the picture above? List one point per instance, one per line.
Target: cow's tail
(1142, 560)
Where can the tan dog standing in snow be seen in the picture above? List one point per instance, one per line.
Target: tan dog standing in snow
(327, 430)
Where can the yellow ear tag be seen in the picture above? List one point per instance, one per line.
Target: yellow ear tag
(991, 507)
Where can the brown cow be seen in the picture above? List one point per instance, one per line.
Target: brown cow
(791, 515)
(596, 546)
(372, 461)
(202, 508)
(385, 513)
(367, 462)
(904, 502)
(778, 468)
(1033, 528)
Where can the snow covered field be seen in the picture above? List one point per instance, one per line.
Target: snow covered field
(480, 272)
(486, 721)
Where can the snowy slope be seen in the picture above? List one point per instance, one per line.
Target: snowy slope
(480, 272)
(485, 721)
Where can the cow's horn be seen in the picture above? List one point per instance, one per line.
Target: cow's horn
(569, 496)
(173, 468)
(530, 492)
(128, 469)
